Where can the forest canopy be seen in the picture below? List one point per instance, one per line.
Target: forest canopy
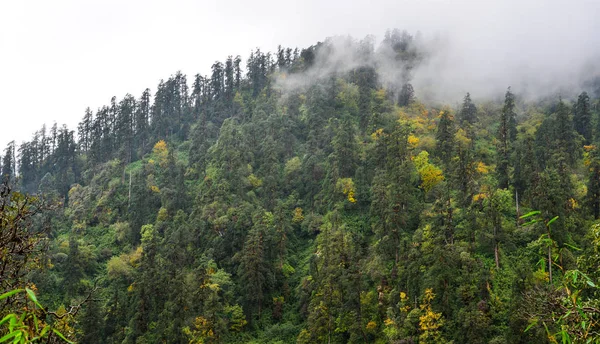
(310, 196)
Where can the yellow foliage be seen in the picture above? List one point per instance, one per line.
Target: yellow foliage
(404, 302)
(298, 216)
(213, 286)
(348, 188)
(371, 325)
(461, 138)
(162, 215)
(482, 168)
(351, 197)
(419, 124)
(427, 298)
(135, 256)
(430, 174)
(160, 147)
(118, 267)
(380, 94)
(304, 337)
(154, 188)
(388, 322)
(588, 155)
(130, 288)
(573, 204)
(421, 160)
(254, 180)
(402, 115)
(413, 141)
(64, 245)
(479, 197)
(292, 165)
(161, 151)
(446, 110)
(377, 134)
(430, 321)
(202, 332)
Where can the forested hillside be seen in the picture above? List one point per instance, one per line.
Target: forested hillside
(312, 196)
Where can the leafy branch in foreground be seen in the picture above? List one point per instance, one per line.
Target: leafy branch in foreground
(569, 313)
(28, 326)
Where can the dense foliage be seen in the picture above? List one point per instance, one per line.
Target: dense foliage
(309, 199)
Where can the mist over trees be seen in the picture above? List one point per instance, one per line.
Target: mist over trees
(312, 196)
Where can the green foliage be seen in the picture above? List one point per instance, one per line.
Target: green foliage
(28, 326)
(289, 204)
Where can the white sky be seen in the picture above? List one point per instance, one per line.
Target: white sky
(57, 56)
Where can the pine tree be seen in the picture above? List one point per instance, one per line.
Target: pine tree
(407, 95)
(564, 134)
(92, 324)
(345, 156)
(73, 271)
(583, 117)
(255, 269)
(237, 71)
(445, 137)
(9, 162)
(468, 111)
(65, 167)
(229, 79)
(464, 170)
(217, 80)
(27, 165)
(84, 131)
(105, 146)
(593, 189)
(142, 115)
(366, 79)
(509, 112)
(124, 128)
(394, 200)
(281, 62)
(507, 133)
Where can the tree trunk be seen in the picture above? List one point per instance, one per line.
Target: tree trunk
(496, 255)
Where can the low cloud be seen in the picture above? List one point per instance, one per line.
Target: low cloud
(539, 48)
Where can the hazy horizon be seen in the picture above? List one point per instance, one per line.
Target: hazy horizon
(61, 57)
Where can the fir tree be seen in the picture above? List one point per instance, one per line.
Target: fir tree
(582, 117)
(468, 110)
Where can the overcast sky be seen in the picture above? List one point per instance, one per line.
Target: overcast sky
(58, 57)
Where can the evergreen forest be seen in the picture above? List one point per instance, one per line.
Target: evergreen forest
(307, 196)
